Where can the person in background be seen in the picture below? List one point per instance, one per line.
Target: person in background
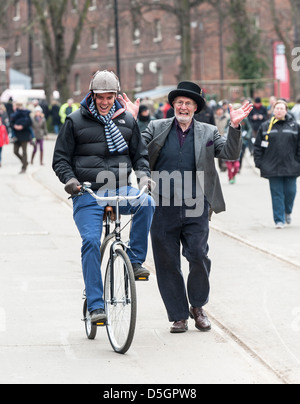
(149, 104)
(22, 132)
(233, 166)
(40, 130)
(246, 138)
(277, 155)
(66, 109)
(54, 113)
(206, 115)
(4, 116)
(10, 110)
(167, 107)
(144, 117)
(258, 115)
(272, 101)
(159, 113)
(222, 120)
(4, 139)
(296, 110)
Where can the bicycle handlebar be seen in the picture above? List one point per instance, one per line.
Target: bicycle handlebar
(86, 187)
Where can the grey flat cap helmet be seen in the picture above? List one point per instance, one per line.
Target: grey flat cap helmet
(105, 82)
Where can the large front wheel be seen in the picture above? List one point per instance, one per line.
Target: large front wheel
(120, 301)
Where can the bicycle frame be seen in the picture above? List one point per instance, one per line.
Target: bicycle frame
(119, 285)
(86, 187)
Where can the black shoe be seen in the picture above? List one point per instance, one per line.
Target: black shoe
(140, 271)
(98, 316)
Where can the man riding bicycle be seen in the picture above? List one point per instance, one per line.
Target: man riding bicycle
(103, 137)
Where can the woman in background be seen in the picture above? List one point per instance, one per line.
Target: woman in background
(277, 155)
(40, 131)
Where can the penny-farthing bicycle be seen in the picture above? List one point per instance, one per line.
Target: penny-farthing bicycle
(119, 286)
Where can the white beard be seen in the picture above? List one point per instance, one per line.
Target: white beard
(183, 119)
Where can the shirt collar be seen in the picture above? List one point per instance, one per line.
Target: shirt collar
(178, 125)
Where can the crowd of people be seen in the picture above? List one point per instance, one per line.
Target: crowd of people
(27, 124)
(23, 123)
(271, 133)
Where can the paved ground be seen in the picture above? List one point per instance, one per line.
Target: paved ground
(255, 307)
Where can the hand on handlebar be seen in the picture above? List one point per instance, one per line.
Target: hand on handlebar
(73, 187)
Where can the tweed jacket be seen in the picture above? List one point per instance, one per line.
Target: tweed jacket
(209, 144)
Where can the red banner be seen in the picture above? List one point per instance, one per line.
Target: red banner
(281, 71)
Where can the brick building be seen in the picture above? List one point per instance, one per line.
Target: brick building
(149, 45)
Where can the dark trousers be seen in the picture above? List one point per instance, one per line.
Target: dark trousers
(23, 156)
(171, 229)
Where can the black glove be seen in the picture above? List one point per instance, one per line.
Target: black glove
(72, 187)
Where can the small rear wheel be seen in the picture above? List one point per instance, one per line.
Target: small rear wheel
(90, 328)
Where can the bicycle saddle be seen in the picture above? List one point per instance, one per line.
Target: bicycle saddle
(109, 211)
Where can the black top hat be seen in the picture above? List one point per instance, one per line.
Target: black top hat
(189, 90)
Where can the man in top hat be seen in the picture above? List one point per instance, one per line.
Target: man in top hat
(101, 141)
(182, 152)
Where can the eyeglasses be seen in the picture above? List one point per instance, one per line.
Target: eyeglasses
(187, 104)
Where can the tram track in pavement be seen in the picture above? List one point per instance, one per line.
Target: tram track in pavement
(255, 246)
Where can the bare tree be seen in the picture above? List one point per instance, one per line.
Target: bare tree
(50, 16)
(285, 34)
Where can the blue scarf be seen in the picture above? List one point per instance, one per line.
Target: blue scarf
(114, 137)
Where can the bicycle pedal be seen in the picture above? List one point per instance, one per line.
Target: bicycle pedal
(142, 278)
(100, 324)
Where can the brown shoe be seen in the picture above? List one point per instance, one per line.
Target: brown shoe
(202, 322)
(179, 327)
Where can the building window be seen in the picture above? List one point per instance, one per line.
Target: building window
(17, 10)
(111, 37)
(93, 5)
(157, 31)
(109, 4)
(160, 77)
(94, 38)
(77, 84)
(74, 6)
(136, 36)
(139, 72)
(18, 49)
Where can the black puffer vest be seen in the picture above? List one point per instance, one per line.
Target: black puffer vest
(82, 152)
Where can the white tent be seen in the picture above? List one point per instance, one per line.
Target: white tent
(22, 95)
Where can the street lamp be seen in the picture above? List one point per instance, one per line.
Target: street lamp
(30, 42)
(117, 39)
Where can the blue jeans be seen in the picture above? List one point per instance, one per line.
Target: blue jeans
(88, 216)
(283, 191)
